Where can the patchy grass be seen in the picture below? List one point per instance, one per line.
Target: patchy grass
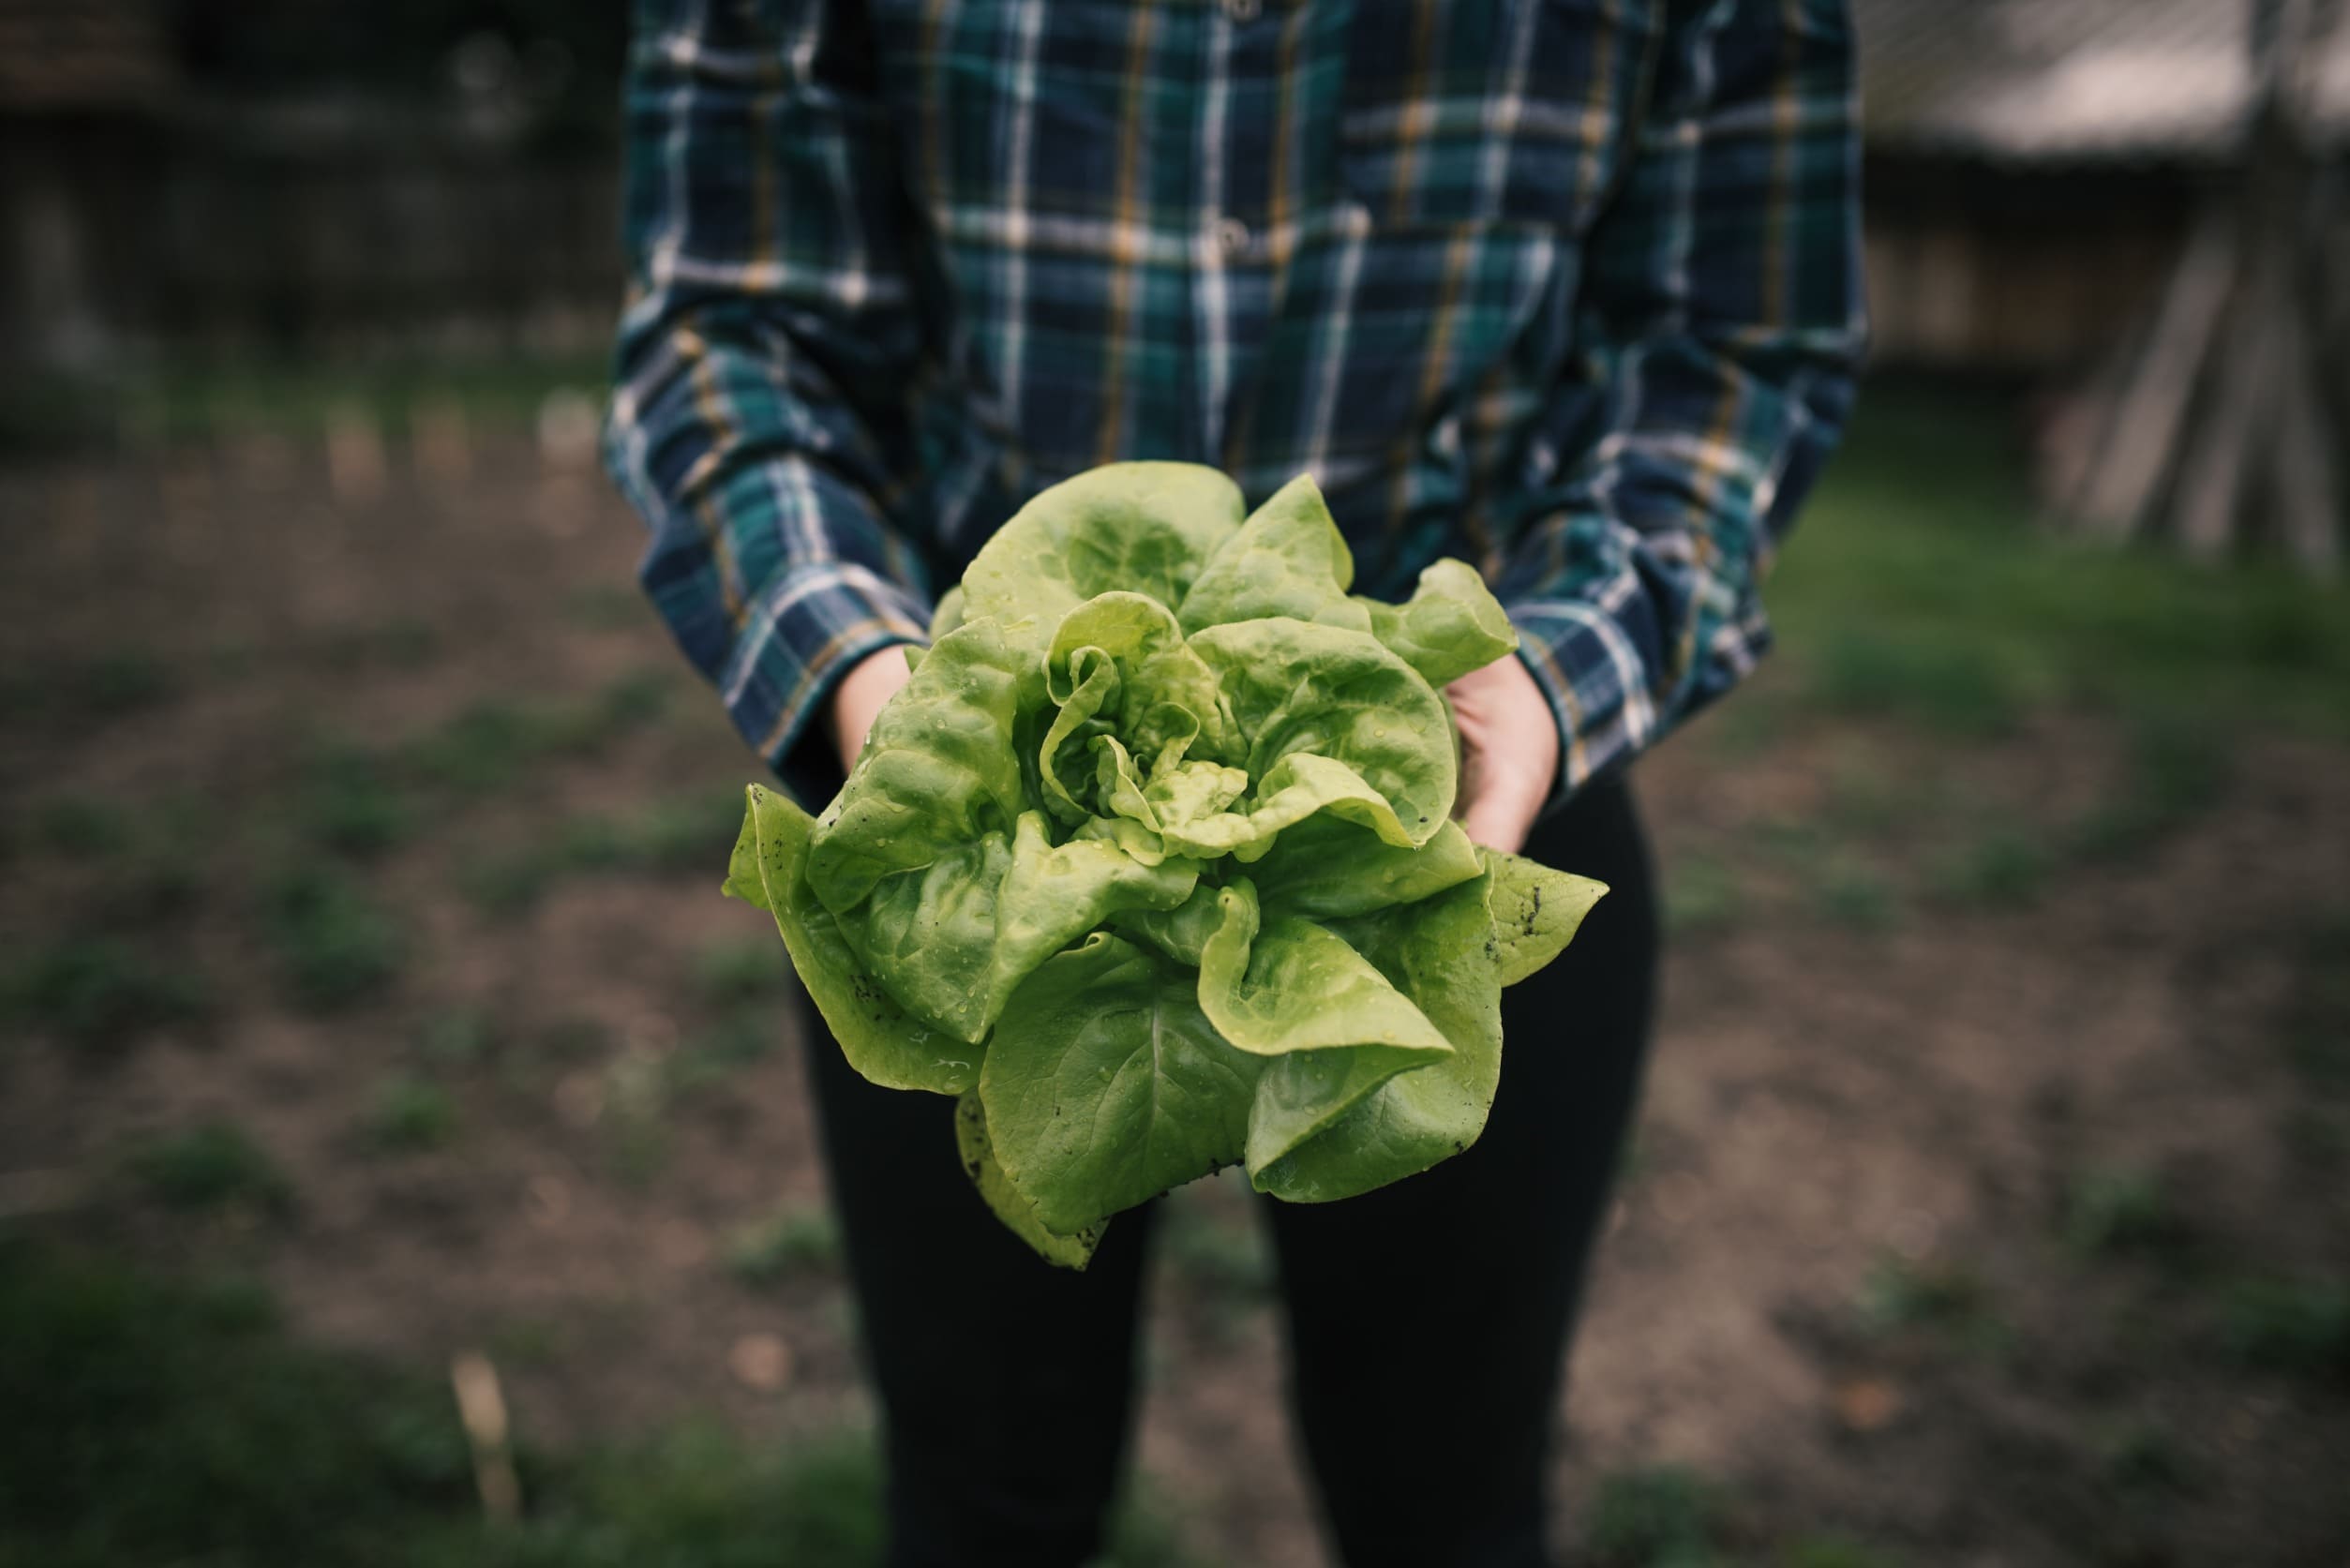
(77, 827)
(152, 1422)
(149, 892)
(2317, 1021)
(1225, 1256)
(525, 1342)
(407, 1113)
(1663, 1517)
(605, 606)
(797, 1239)
(457, 1037)
(402, 643)
(1941, 1298)
(1703, 896)
(72, 695)
(201, 399)
(1753, 725)
(214, 1165)
(637, 1093)
(666, 838)
(1888, 597)
(1831, 1551)
(361, 800)
(750, 1033)
(742, 970)
(347, 800)
(2299, 1327)
(2145, 1458)
(93, 991)
(2177, 773)
(2316, 1138)
(492, 744)
(1863, 797)
(1943, 680)
(336, 946)
(2119, 1210)
(2005, 867)
(1850, 893)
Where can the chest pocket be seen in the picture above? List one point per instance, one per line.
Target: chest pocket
(1489, 110)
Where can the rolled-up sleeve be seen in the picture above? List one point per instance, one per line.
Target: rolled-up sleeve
(765, 352)
(1723, 298)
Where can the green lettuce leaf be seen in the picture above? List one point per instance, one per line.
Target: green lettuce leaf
(1139, 528)
(1106, 1085)
(1324, 694)
(881, 1039)
(1451, 624)
(1435, 955)
(1151, 861)
(1019, 1215)
(1287, 559)
(1294, 991)
(1326, 866)
(1537, 912)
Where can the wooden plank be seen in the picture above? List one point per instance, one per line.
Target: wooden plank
(2308, 489)
(2144, 427)
(2212, 481)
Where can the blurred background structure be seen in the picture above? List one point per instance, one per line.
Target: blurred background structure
(401, 1158)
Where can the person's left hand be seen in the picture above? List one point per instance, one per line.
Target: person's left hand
(1509, 752)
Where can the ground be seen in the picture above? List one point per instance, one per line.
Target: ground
(363, 969)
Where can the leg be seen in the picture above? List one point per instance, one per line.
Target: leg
(1428, 1319)
(1005, 1384)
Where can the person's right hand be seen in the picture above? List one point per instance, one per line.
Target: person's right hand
(857, 701)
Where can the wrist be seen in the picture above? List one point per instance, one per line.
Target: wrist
(858, 699)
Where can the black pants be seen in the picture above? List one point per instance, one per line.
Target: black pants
(1427, 1320)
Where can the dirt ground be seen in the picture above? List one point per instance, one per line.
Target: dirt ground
(1994, 1227)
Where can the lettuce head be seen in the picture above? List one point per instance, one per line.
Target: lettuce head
(1152, 863)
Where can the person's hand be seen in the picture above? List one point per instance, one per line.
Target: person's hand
(858, 699)
(1509, 752)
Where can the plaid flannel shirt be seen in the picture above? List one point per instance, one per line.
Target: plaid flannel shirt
(1570, 290)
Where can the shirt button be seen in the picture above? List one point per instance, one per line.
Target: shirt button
(1231, 236)
(1243, 10)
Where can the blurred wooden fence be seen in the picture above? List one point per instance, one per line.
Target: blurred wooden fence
(447, 253)
(122, 242)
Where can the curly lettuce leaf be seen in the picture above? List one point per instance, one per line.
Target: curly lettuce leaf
(881, 1039)
(1451, 624)
(1151, 861)
(940, 767)
(1326, 866)
(1140, 528)
(1434, 953)
(1274, 986)
(1336, 1027)
(1311, 696)
(1106, 1085)
(1288, 560)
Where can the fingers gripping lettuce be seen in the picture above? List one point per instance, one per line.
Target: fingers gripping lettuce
(1152, 863)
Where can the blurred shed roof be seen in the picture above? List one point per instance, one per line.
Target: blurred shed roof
(82, 56)
(2073, 80)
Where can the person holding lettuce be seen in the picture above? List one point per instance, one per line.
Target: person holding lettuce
(1570, 293)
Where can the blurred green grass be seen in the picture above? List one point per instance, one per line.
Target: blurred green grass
(1920, 595)
(1922, 582)
(153, 1421)
(196, 399)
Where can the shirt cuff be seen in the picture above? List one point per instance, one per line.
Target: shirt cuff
(801, 638)
(1592, 674)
